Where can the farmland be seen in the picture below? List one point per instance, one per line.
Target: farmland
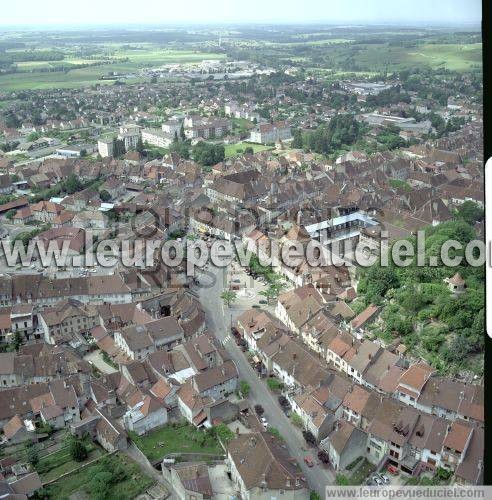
(366, 52)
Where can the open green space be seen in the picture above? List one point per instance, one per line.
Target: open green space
(56, 464)
(34, 75)
(238, 148)
(362, 471)
(130, 483)
(456, 57)
(179, 438)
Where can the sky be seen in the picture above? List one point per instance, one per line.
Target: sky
(106, 12)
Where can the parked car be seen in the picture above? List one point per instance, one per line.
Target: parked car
(392, 470)
(236, 280)
(309, 461)
(384, 478)
(377, 480)
(263, 301)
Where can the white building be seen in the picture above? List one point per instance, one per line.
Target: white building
(268, 133)
(156, 137)
(105, 147)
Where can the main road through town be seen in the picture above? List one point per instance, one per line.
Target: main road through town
(219, 319)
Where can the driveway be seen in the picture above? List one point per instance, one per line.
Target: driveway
(219, 321)
(95, 358)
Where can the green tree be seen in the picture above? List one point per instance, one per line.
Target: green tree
(208, 154)
(275, 433)
(228, 296)
(297, 142)
(11, 120)
(78, 450)
(296, 419)
(470, 212)
(10, 214)
(181, 148)
(100, 484)
(342, 480)
(17, 340)
(140, 146)
(104, 195)
(118, 148)
(343, 130)
(72, 184)
(273, 384)
(244, 388)
(223, 433)
(32, 454)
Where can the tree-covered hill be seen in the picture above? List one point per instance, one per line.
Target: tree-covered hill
(418, 307)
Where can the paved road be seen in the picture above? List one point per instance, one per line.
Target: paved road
(219, 322)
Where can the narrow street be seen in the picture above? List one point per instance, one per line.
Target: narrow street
(219, 317)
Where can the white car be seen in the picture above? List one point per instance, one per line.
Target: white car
(377, 480)
(384, 478)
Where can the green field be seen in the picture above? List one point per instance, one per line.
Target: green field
(238, 149)
(183, 438)
(457, 57)
(134, 484)
(116, 59)
(370, 59)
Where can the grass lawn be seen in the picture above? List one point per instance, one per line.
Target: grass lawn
(135, 483)
(183, 438)
(60, 462)
(241, 125)
(361, 473)
(232, 149)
